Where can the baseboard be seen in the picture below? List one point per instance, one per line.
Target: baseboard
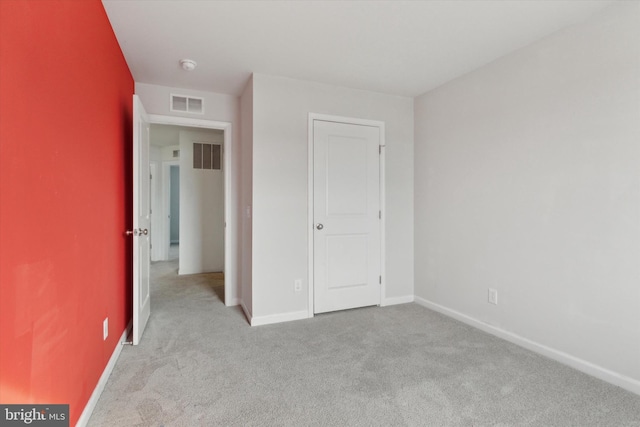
(588, 368)
(397, 300)
(95, 396)
(278, 318)
(233, 302)
(246, 311)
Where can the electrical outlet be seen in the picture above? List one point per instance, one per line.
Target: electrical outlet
(297, 285)
(493, 296)
(105, 329)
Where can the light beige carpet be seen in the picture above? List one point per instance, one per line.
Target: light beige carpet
(200, 364)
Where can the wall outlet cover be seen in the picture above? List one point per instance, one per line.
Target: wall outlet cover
(493, 296)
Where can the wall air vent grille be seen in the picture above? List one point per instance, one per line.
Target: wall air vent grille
(207, 156)
(187, 104)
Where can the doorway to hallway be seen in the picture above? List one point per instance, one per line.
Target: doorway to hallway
(229, 208)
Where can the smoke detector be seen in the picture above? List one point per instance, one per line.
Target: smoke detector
(188, 64)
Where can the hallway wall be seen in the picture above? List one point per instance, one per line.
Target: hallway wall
(201, 208)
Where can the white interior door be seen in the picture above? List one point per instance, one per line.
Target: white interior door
(346, 216)
(141, 220)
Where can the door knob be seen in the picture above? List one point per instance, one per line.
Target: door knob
(319, 226)
(137, 232)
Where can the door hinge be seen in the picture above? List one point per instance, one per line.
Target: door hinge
(380, 214)
(379, 149)
(380, 279)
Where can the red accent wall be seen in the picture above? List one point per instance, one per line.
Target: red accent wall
(65, 143)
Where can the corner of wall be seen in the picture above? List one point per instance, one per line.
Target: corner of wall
(245, 207)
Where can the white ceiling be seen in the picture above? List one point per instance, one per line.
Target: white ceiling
(395, 47)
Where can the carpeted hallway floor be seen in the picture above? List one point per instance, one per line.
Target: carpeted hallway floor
(200, 364)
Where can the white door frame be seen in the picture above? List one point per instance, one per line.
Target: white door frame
(229, 255)
(166, 205)
(310, 168)
(156, 221)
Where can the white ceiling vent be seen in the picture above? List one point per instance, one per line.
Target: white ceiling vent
(187, 104)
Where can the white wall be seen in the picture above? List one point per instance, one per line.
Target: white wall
(155, 153)
(167, 152)
(246, 185)
(280, 245)
(528, 181)
(201, 209)
(218, 107)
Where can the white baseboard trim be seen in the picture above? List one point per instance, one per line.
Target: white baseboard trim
(233, 302)
(246, 311)
(397, 300)
(588, 368)
(102, 382)
(278, 318)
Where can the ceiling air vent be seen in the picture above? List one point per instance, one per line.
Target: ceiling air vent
(187, 104)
